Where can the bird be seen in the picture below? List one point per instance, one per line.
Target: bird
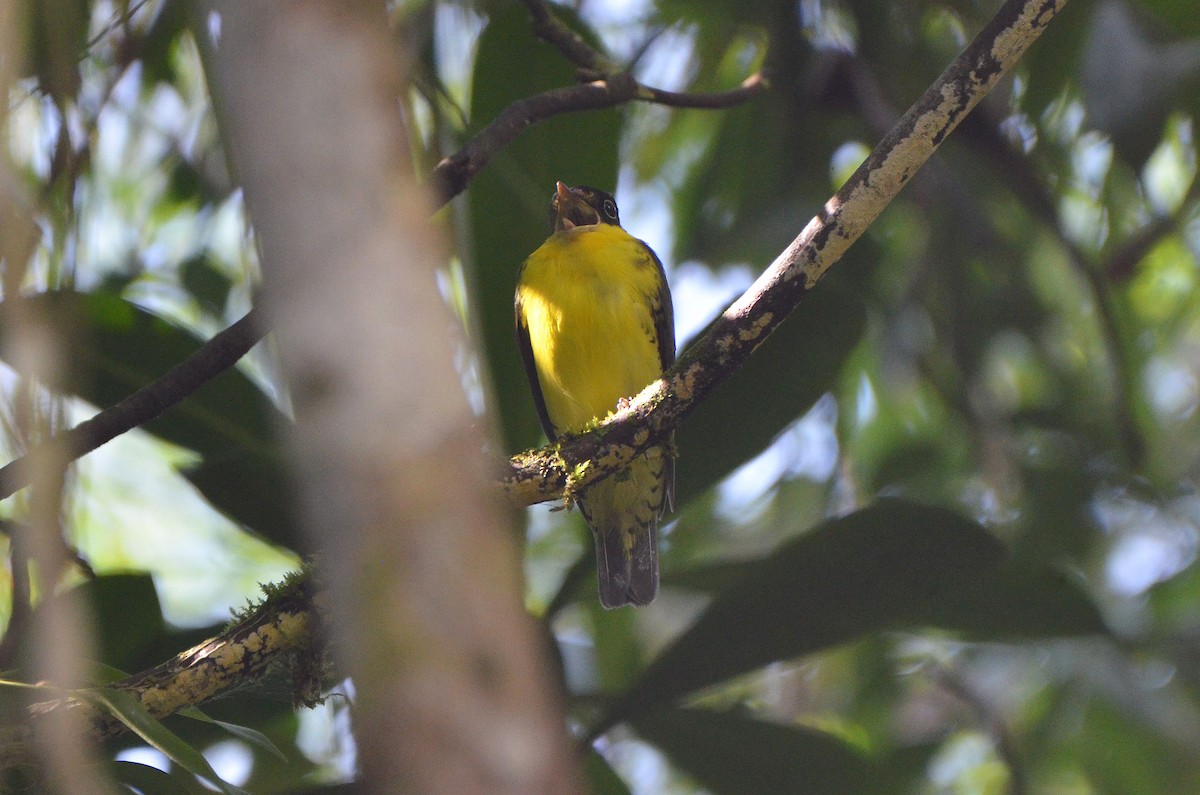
(595, 326)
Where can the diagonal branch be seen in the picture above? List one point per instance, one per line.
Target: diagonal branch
(278, 633)
(709, 100)
(576, 461)
(213, 358)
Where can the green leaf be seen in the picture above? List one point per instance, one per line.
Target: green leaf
(161, 40)
(103, 675)
(207, 284)
(731, 753)
(125, 708)
(119, 348)
(127, 616)
(1121, 753)
(601, 778)
(241, 732)
(895, 564)
(1018, 602)
(509, 201)
(253, 490)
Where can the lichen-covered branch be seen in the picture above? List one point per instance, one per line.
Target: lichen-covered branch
(539, 475)
(280, 633)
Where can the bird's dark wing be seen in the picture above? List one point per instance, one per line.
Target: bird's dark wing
(535, 386)
(664, 330)
(664, 316)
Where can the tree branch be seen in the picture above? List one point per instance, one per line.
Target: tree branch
(575, 461)
(708, 100)
(609, 86)
(213, 358)
(550, 28)
(283, 626)
(278, 632)
(452, 174)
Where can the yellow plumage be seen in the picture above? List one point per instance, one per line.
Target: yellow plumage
(594, 324)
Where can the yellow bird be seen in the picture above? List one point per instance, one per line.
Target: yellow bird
(595, 327)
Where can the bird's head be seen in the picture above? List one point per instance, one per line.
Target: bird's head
(582, 206)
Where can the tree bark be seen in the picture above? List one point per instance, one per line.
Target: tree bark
(426, 612)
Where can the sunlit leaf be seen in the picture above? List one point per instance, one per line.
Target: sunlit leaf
(251, 736)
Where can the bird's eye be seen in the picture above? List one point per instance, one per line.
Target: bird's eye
(610, 209)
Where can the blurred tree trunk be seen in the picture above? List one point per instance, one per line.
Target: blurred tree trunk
(52, 642)
(427, 612)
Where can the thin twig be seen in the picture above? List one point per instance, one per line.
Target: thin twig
(609, 85)
(550, 28)
(1017, 171)
(712, 100)
(992, 722)
(1121, 264)
(453, 173)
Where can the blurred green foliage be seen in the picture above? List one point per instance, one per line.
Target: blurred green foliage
(938, 536)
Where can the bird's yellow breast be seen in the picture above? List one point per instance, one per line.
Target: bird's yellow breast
(588, 297)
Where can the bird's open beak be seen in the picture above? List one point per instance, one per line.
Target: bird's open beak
(571, 210)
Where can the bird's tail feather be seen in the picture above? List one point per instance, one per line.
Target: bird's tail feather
(627, 576)
(624, 511)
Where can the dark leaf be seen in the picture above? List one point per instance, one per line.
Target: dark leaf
(120, 348)
(895, 564)
(161, 39)
(251, 736)
(126, 709)
(126, 614)
(208, 285)
(254, 491)
(732, 754)
(797, 364)
(147, 780)
(117, 348)
(57, 38)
